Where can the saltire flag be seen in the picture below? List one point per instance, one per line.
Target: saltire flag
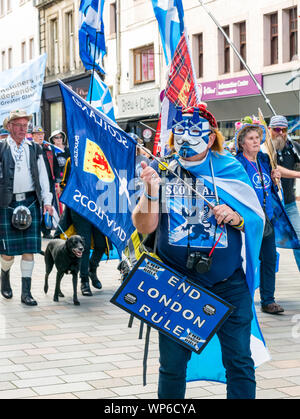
(99, 97)
(181, 90)
(101, 185)
(56, 149)
(294, 124)
(170, 18)
(235, 189)
(91, 34)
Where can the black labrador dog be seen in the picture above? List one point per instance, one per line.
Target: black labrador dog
(66, 255)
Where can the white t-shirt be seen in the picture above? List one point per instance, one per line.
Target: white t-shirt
(23, 181)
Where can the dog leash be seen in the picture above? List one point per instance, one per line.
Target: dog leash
(58, 225)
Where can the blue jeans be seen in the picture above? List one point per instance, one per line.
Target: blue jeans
(234, 336)
(294, 216)
(267, 270)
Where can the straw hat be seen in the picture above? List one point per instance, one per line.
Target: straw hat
(17, 114)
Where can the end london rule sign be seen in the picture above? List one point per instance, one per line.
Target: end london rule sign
(171, 303)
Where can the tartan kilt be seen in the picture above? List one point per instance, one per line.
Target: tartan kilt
(15, 242)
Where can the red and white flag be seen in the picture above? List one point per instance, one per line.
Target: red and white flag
(181, 90)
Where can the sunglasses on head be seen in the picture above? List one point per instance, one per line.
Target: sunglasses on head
(284, 130)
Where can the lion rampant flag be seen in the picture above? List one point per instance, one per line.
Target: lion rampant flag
(96, 163)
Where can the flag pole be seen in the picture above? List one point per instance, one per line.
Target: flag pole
(240, 58)
(93, 72)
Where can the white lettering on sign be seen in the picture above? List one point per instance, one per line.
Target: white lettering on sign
(173, 305)
(86, 202)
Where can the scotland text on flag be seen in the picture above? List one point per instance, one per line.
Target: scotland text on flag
(91, 34)
(169, 14)
(99, 96)
(101, 186)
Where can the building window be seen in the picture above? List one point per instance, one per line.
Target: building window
(31, 48)
(226, 51)
(69, 57)
(9, 58)
(23, 52)
(274, 38)
(112, 18)
(54, 56)
(198, 54)
(293, 33)
(144, 65)
(3, 60)
(243, 43)
(1, 7)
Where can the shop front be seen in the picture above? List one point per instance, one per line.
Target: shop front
(232, 99)
(138, 112)
(53, 116)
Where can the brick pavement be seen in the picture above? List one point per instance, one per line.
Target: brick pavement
(57, 350)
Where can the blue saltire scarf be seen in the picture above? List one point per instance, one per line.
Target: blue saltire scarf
(235, 189)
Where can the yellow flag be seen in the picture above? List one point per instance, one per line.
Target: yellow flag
(96, 163)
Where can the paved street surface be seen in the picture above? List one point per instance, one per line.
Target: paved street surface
(58, 350)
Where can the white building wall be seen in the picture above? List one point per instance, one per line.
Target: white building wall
(139, 27)
(17, 25)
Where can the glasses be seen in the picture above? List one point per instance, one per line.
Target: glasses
(192, 131)
(19, 125)
(58, 137)
(283, 130)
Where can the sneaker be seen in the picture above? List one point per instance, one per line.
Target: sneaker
(272, 308)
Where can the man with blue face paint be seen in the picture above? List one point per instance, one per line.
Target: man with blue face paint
(191, 134)
(203, 240)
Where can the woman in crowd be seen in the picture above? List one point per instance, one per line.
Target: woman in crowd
(249, 137)
(59, 139)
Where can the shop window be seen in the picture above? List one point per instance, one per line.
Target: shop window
(56, 116)
(144, 65)
(198, 54)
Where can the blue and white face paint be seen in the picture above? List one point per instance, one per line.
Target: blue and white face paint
(191, 135)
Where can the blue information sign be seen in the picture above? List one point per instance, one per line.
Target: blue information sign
(171, 303)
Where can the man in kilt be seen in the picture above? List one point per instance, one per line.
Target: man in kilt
(24, 189)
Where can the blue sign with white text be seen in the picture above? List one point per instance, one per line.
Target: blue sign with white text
(169, 302)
